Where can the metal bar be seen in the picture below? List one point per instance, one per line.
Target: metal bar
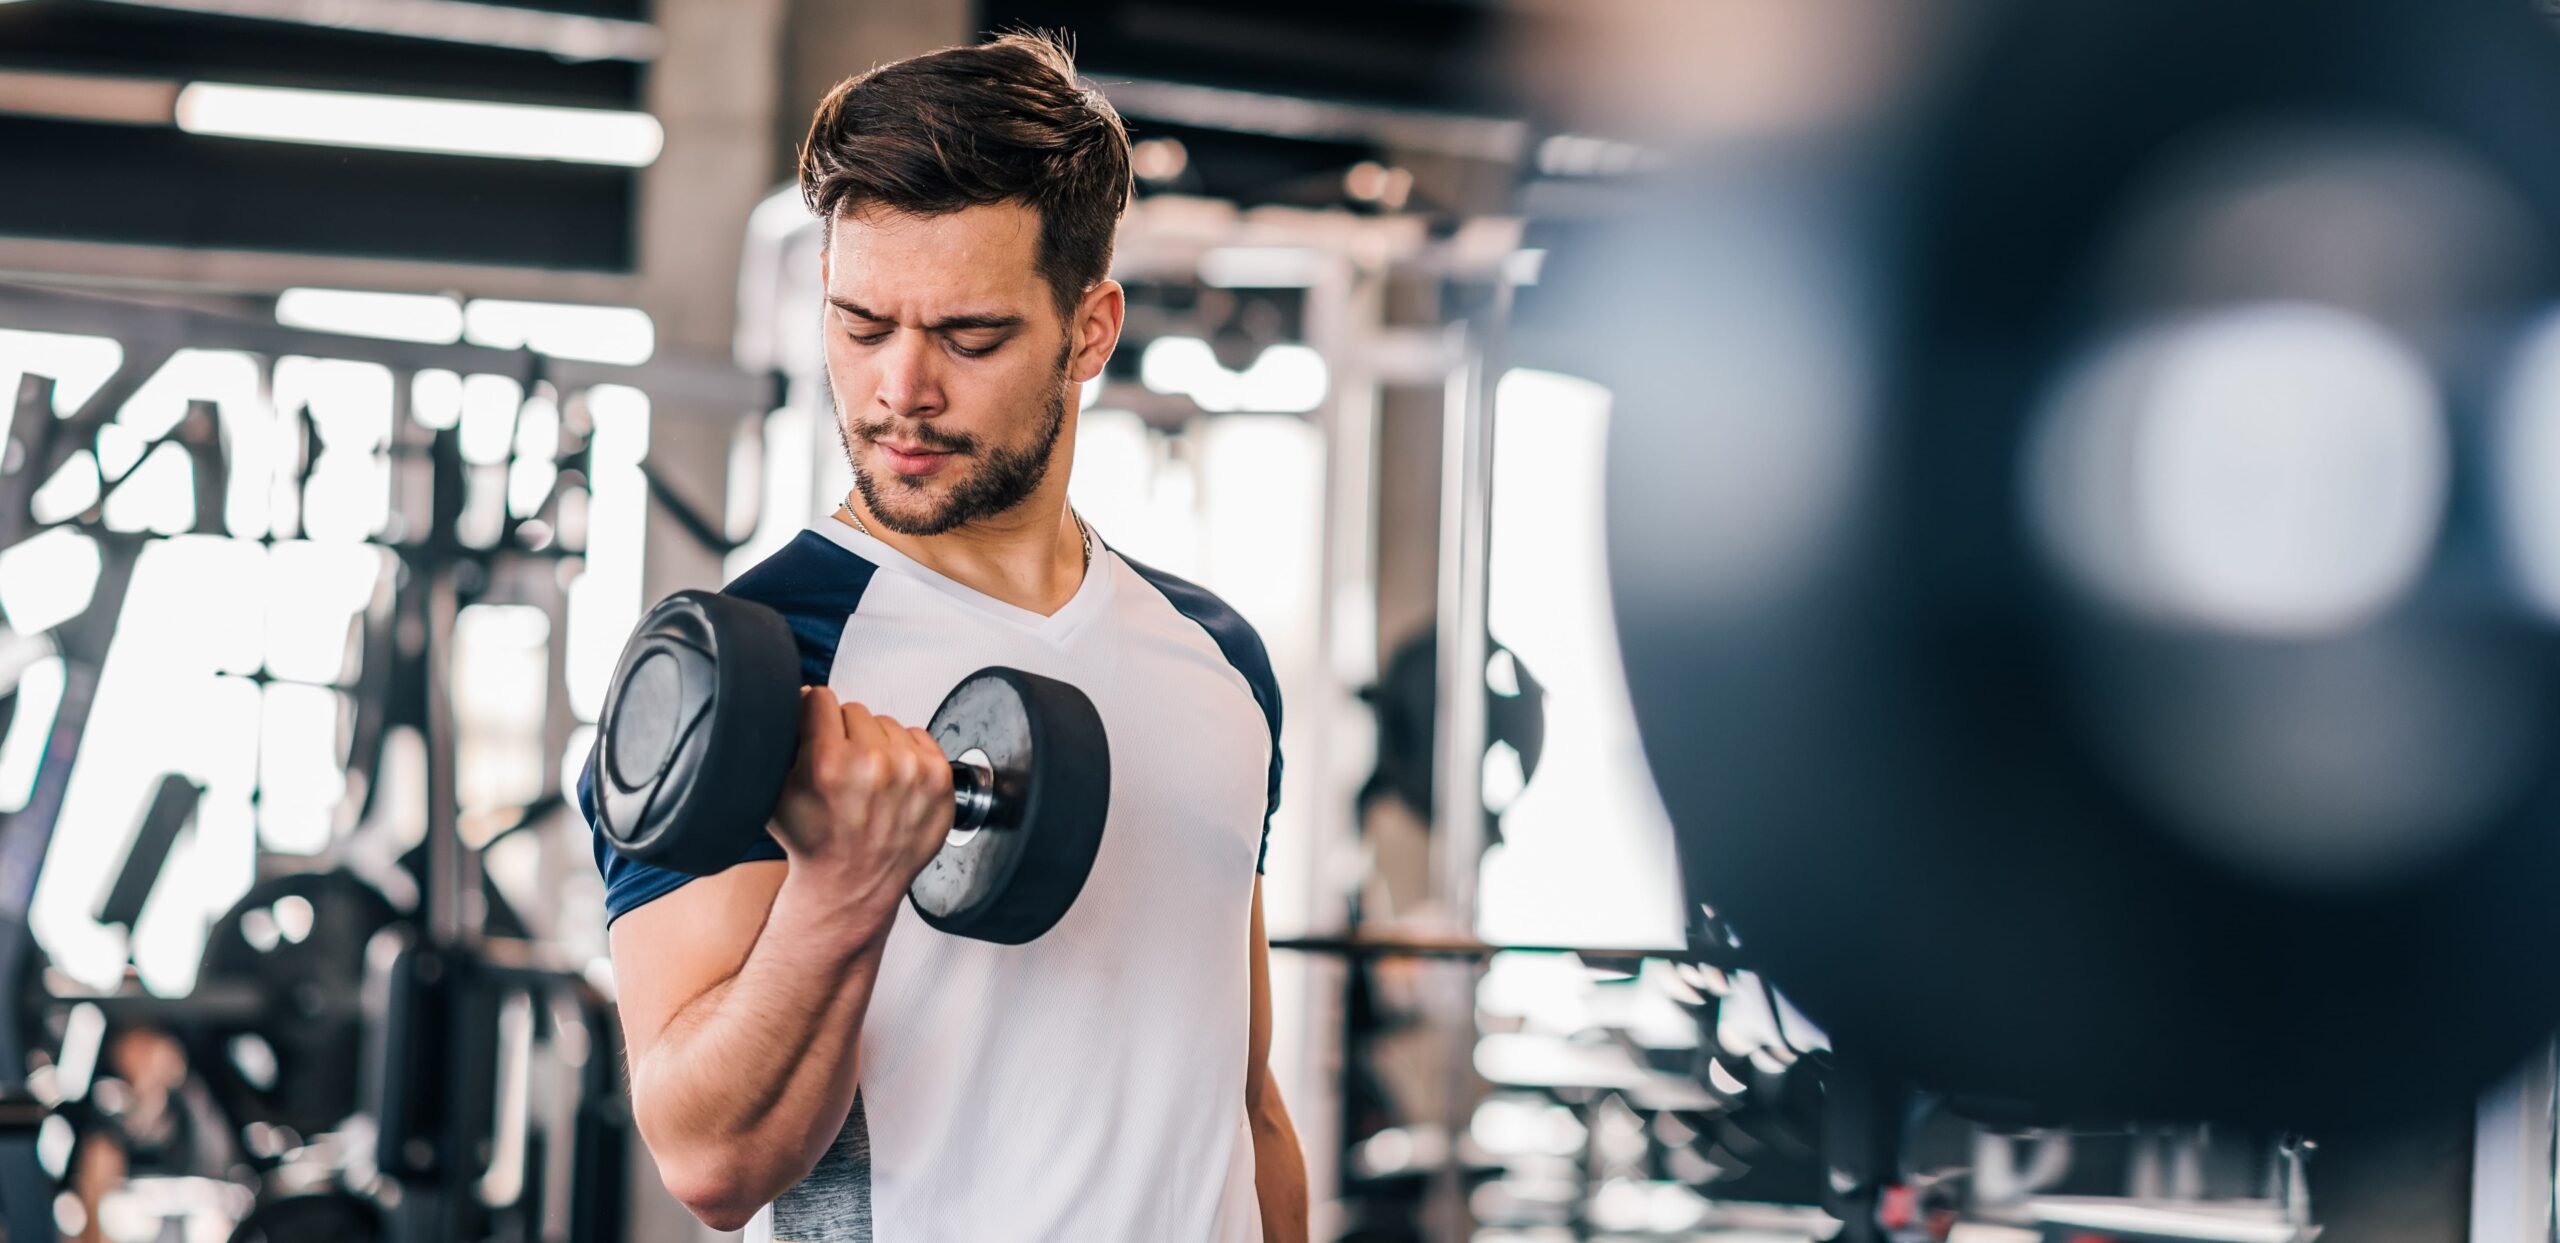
(1290, 116)
(1458, 827)
(136, 268)
(1345, 305)
(1426, 945)
(30, 423)
(99, 98)
(673, 380)
(569, 36)
(26, 833)
(685, 514)
(453, 873)
(215, 1002)
(57, 441)
(172, 805)
(1466, 528)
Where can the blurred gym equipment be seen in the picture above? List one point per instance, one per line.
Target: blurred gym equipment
(2071, 610)
(377, 1051)
(1407, 702)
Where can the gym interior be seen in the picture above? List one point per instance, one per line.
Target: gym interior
(1879, 620)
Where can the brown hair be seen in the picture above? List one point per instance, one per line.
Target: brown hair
(1002, 122)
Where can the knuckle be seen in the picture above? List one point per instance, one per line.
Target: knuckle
(829, 772)
(869, 767)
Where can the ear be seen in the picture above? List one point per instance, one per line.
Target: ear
(1096, 329)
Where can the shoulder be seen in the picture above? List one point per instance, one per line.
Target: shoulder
(811, 571)
(1235, 637)
(815, 583)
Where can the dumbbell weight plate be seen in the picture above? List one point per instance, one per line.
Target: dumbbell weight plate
(699, 730)
(1041, 742)
(702, 722)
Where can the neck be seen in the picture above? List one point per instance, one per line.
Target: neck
(1031, 557)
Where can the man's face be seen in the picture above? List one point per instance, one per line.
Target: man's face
(949, 362)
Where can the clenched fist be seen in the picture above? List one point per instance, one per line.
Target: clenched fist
(867, 803)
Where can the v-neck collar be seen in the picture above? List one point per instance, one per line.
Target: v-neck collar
(1091, 595)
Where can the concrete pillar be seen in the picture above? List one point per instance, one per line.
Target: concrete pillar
(714, 91)
(828, 41)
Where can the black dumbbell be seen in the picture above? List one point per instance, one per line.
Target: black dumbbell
(702, 722)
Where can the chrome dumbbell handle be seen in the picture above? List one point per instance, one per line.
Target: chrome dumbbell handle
(973, 791)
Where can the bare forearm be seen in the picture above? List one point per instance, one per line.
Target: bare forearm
(1279, 1167)
(744, 1090)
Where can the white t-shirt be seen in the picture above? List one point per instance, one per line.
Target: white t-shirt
(1088, 1085)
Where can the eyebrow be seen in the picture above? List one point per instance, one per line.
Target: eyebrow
(948, 323)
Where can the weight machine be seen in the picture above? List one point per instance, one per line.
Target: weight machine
(393, 1057)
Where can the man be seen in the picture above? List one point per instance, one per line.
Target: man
(808, 1058)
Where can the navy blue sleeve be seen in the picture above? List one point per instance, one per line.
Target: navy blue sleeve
(629, 883)
(1243, 649)
(816, 585)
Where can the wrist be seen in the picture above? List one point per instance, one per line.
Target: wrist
(850, 913)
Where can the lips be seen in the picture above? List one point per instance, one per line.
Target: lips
(917, 460)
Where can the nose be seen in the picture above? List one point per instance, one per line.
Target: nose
(908, 386)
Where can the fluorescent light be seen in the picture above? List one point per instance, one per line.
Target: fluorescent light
(391, 316)
(596, 334)
(405, 123)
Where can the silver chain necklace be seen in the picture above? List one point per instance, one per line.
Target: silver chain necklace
(1081, 528)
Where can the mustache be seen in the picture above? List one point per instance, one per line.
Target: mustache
(931, 438)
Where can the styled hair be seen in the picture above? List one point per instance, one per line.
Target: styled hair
(1004, 121)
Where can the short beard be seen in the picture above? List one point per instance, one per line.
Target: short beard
(1005, 477)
